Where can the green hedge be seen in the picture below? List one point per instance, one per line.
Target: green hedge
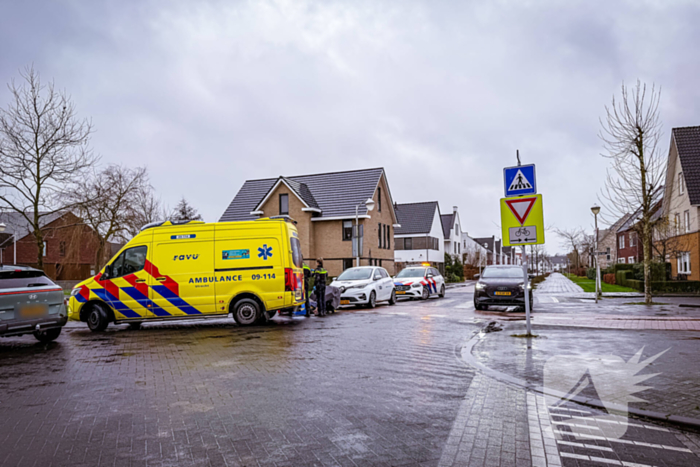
(665, 286)
(590, 273)
(622, 276)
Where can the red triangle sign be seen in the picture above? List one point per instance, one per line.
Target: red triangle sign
(521, 207)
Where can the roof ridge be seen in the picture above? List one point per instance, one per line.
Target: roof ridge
(417, 202)
(337, 172)
(685, 127)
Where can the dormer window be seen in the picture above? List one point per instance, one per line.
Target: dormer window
(681, 187)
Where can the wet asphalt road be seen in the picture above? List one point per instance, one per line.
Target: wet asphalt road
(361, 387)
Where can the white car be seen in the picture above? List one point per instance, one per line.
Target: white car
(365, 285)
(419, 282)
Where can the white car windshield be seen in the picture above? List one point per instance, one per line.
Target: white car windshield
(503, 273)
(355, 274)
(411, 272)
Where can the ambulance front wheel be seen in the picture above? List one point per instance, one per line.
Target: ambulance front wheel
(97, 319)
(246, 312)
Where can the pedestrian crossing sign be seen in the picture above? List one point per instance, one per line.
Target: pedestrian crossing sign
(522, 220)
(520, 180)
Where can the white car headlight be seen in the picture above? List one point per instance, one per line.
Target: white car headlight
(479, 286)
(75, 292)
(415, 286)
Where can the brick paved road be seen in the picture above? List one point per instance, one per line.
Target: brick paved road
(362, 387)
(557, 283)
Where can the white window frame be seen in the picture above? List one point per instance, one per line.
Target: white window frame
(621, 260)
(677, 223)
(686, 221)
(630, 260)
(681, 187)
(683, 263)
(621, 241)
(633, 239)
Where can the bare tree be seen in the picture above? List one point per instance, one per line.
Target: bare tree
(572, 239)
(43, 149)
(631, 132)
(106, 202)
(145, 210)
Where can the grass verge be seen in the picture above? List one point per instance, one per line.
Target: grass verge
(588, 285)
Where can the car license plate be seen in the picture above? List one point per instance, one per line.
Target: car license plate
(501, 293)
(32, 311)
(400, 292)
(345, 302)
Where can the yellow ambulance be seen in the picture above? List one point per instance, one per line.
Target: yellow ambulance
(191, 270)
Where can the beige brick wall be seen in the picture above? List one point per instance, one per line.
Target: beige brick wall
(324, 239)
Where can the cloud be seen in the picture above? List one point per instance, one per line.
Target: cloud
(441, 94)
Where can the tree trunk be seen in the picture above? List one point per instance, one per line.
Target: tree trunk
(100, 254)
(647, 262)
(39, 236)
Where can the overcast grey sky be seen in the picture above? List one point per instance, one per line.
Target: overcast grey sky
(208, 94)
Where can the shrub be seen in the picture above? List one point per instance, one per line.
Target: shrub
(621, 267)
(635, 284)
(622, 276)
(609, 279)
(658, 271)
(675, 287)
(581, 272)
(590, 273)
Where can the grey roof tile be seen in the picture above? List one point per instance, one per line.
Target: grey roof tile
(336, 194)
(415, 218)
(447, 221)
(688, 144)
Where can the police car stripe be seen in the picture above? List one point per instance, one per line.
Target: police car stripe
(168, 294)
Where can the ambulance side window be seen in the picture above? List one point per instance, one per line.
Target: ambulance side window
(129, 262)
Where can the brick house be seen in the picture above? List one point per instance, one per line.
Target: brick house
(452, 233)
(628, 249)
(70, 246)
(323, 205)
(608, 242)
(679, 242)
(420, 237)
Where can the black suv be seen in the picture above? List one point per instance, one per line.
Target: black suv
(30, 303)
(501, 286)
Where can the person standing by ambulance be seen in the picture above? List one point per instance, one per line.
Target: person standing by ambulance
(307, 292)
(320, 276)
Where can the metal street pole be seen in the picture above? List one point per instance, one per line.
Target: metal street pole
(527, 295)
(357, 234)
(599, 285)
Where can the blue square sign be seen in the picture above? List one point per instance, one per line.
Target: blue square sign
(520, 180)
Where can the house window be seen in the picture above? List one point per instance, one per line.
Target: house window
(621, 260)
(347, 231)
(684, 263)
(62, 249)
(407, 243)
(388, 237)
(686, 221)
(630, 260)
(46, 250)
(379, 199)
(681, 188)
(677, 223)
(633, 239)
(347, 263)
(607, 253)
(379, 231)
(622, 241)
(284, 204)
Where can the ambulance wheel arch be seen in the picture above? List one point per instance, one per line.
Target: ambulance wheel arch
(89, 306)
(241, 306)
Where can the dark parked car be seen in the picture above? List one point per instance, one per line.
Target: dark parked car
(30, 303)
(501, 286)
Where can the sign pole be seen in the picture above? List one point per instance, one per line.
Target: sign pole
(527, 294)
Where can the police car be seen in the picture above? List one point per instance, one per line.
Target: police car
(419, 282)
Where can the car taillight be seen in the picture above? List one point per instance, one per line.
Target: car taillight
(290, 282)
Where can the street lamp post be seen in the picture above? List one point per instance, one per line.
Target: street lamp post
(14, 244)
(369, 203)
(595, 210)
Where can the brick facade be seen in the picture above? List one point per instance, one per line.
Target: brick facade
(324, 238)
(71, 247)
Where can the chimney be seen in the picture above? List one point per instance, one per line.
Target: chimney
(454, 209)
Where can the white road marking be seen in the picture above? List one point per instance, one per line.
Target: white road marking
(467, 306)
(584, 445)
(623, 441)
(624, 421)
(602, 460)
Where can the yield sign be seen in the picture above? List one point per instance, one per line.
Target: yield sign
(521, 207)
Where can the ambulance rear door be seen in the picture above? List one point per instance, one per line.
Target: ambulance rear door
(249, 258)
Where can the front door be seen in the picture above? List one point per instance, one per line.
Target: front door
(124, 284)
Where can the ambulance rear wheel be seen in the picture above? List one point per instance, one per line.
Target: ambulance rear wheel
(97, 319)
(246, 312)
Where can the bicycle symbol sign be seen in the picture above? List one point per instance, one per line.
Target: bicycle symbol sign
(522, 235)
